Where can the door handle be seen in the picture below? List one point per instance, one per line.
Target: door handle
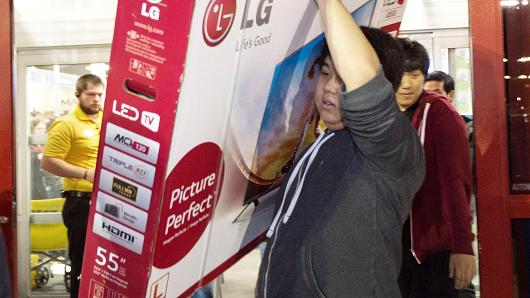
(4, 219)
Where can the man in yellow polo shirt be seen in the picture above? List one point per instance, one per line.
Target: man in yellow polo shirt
(71, 152)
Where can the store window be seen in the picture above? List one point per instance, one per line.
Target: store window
(50, 94)
(457, 62)
(517, 80)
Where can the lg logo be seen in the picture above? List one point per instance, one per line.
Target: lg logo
(220, 15)
(151, 12)
(263, 14)
(218, 20)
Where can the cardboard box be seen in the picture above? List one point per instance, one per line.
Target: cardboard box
(207, 105)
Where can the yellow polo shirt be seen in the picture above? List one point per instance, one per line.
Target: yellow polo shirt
(74, 138)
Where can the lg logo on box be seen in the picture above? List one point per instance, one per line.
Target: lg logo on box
(263, 14)
(218, 20)
(148, 119)
(220, 15)
(152, 12)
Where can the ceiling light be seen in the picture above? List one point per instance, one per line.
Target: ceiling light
(509, 3)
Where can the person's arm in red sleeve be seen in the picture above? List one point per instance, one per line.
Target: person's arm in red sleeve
(454, 174)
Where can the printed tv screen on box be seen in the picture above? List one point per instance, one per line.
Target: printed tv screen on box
(208, 104)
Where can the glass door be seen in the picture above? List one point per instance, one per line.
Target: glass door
(454, 57)
(45, 92)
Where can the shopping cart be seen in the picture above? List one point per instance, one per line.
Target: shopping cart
(49, 243)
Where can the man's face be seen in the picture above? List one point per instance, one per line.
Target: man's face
(90, 98)
(410, 89)
(437, 87)
(329, 86)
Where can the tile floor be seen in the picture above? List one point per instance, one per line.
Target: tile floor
(239, 281)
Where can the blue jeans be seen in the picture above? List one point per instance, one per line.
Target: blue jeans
(204, 292)
(262, 246)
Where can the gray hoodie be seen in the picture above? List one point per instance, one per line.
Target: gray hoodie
(340, 236)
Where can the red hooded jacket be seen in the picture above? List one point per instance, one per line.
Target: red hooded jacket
(440, 216)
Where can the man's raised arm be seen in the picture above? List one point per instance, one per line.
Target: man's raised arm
(352, 54)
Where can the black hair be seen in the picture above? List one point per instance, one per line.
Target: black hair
(324, 52)
(440, 76)
(388, 51)
(416, 57)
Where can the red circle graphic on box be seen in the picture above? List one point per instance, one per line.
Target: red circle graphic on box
(218, 20)
(190, 196)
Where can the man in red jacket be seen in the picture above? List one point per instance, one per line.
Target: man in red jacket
(438, 257)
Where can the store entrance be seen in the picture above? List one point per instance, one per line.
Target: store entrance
(45, 92)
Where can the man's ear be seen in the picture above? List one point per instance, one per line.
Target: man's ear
(77, 94)
(451, 95)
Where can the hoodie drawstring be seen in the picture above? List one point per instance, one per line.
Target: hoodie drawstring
(311, 153)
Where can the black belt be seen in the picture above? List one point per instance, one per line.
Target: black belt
(76, 194)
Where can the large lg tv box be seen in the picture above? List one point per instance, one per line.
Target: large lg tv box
(208, 104)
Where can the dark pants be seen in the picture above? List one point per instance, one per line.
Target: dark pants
(5, 284)
(75, 218)
(430, 279)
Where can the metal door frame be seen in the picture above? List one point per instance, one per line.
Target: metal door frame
(25, 58)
